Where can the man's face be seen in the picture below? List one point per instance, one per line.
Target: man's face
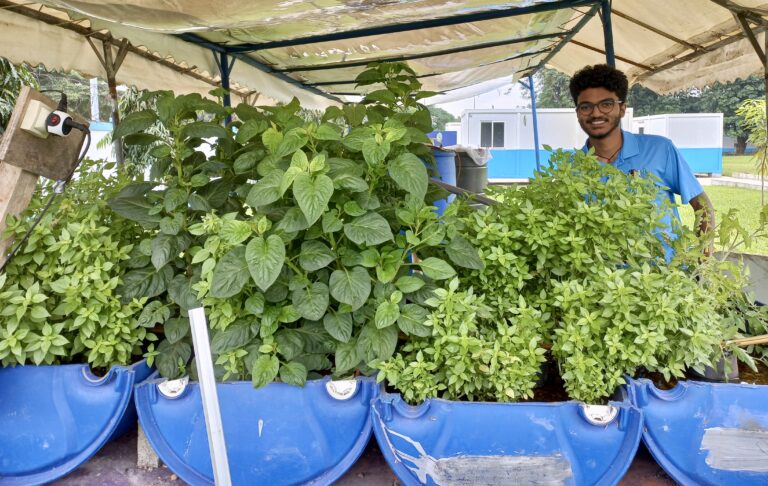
(596, 123)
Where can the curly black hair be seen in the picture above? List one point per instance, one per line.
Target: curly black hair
(599, 76)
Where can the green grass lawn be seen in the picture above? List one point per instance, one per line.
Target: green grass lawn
(747, 201)
(738, 163)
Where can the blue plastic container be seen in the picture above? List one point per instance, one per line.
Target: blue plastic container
(54, 418)
(444, 442)
(706, 433)
(278, 434)
(446, 169)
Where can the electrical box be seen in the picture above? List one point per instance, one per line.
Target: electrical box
(22, 146)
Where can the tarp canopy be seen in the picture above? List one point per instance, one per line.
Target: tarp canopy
(314, 50)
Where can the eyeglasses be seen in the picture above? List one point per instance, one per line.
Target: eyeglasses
(605, 106)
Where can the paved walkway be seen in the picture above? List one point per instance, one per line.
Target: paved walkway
(115, 465)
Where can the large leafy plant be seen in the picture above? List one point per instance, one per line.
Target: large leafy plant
(312, 246)
(58, 297)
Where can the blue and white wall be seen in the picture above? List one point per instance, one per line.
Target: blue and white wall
(698, 136)
(516, 159)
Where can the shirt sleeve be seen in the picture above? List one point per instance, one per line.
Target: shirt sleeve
(679, 176)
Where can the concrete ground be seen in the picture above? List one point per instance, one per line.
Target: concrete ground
(115, 465)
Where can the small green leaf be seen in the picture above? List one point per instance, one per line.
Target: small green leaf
(408, 284)
(351, 286)
(370, 229)
(265, 258)
(386, 314)
(409, 172)
(265, 370)
(339, 326)
(312, 194)
(437, 269)
(315, 255)
(311, 302)
(293, 373)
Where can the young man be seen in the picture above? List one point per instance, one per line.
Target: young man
(600, 94)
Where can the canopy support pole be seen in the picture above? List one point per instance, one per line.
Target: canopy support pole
(111, 66)
(605, 15)
(530, 86)
(225, 68)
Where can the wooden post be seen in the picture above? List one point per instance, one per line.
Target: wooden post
(16, 189)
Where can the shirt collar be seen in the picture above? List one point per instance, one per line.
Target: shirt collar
(629, 146)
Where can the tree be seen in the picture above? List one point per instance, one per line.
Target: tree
(751, 114)
(552, 89)
(726, 98)
(78, 91)
(440, 117)
(12, 78)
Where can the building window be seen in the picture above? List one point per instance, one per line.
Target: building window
(492, 134)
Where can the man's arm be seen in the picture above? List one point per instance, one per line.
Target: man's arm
(705, 214)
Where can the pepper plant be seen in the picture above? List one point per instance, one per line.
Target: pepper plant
(313, 247)
(58, 296)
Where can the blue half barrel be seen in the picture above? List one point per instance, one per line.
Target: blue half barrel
(706, 433)
(54, 418)
(444, 442)
(446, 170)
(278, 434)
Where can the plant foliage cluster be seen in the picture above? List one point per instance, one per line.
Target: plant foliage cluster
(58, 297)
(300, 238)
(574, 263)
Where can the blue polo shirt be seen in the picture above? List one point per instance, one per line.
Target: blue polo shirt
(653, 154)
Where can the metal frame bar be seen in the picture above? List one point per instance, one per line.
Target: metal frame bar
(532, 88)
(745, 28)
(601, 51)
(445, 52)
(405, 27)
(653, 29)
(605, 16)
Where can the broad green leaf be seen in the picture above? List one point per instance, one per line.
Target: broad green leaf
(134, 123)
(289, 343)
(174, 198)
(198, 203)
(386, 314)
(265, 258)
(250, 129)
(230, 274)
(437, 269)
(347, 357)
(408, 284)
(350, 182)
(204, 130)
(314, 361)
(272, 139)
(377, 343)
(255, 304)
(352, 208)
(293, 221)
(374, 152)
(246, 161)
(288, 314)
(170, 355)
(311, 302)
(382, 96)
(141, 139)
(293, 140)
(354, 113)
(266, 190)
(234, 231)
(153, 313)
(312, 194)
(409, 172)
(315, 255)
(339, 326)
(293, 373)
(180, 291)
(236, 335)
(357, 137)
(135, 208)
(327, 131)
(412, 319)
(370, 229)
(176, 329)
(462, 253)
(351, 286)
(145, 282)
(164, 248)
(172, 225)
(265, 370)
(331, 222)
